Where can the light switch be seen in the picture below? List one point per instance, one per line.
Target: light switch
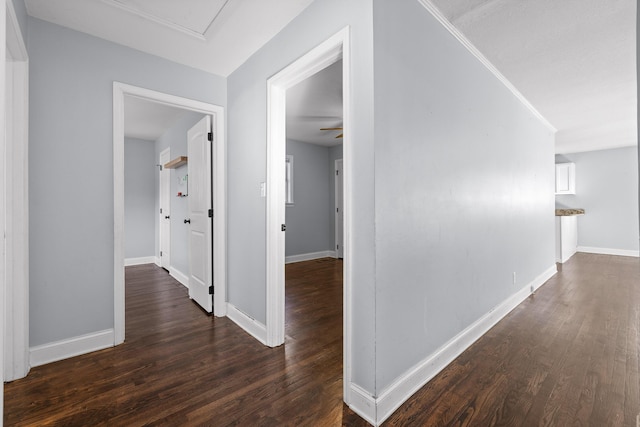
(263, 189)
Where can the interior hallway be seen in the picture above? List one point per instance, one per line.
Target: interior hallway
(568, 355)
(180, 367)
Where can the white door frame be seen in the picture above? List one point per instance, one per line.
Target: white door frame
(163, 257)
(219, 194)
(335, 48)
(15, 207)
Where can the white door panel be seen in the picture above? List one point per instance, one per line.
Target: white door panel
(200, 226)
(165, 211)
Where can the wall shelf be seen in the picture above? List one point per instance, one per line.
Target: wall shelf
(176, 163)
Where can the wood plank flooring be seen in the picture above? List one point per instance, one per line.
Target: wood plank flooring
(180, 367)
(567, 356)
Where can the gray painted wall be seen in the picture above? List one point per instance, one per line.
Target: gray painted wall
(247, 100)
(71, 170)
(176, 138)
(607, 188)
(309, 225)
(464, 189)
(140, 176)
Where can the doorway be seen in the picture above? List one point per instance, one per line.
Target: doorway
(218, 191)
(329, 52)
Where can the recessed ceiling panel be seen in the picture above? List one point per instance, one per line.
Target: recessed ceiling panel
(192, 15)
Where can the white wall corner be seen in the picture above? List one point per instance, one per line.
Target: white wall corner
(409, 383)
(64, 349)
(363, 404)
(309, 257)
(608, 251)
(157, 261)
(250, 325)
(179, 276)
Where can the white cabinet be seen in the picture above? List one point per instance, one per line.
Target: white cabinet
(566, 237)
(565, 178)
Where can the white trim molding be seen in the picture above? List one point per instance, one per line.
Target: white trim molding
(363, 404)
(433, 10)
(64, 349)
(179, 276)
(120, 90)
(139, 261)
(309, 257)
(248, 324)
(407, 384)
(15, 209)
(608, 251)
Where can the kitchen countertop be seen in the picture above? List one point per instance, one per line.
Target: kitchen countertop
(569, 212)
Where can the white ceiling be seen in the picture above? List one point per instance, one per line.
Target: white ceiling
(316, 103)
(216, 36)
(148, 120)
(574, 60)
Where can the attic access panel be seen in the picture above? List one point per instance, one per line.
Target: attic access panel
(193, 15)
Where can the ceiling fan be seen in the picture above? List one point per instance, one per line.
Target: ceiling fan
(339, 136)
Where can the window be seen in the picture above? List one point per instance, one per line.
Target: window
(288, 178)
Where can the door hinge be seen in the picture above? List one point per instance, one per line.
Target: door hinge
(160, 210)
(211, 290)
(210, 136)
(337, 246)
(210, 213)
(160, 253)
(283, 227)
(337, 172)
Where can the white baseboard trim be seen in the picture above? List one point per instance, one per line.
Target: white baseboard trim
(310, 256)
(179, 276)
(59, 350)
(157, 261)
(139, 261)
(406, 385)
(542, 278)
(608, 251)
(250, 325)
(363, 404)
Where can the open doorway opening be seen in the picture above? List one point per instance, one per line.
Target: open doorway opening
(328, 53)
(172, 209)
(313, 271)
(214, 238)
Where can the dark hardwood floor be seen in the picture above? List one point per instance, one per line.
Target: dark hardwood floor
(568, 356)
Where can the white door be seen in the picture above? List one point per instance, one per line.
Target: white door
(200, 214)
(165, 210)
(339, 211)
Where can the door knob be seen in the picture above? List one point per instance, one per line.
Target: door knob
(187, 221)
(166, 217)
